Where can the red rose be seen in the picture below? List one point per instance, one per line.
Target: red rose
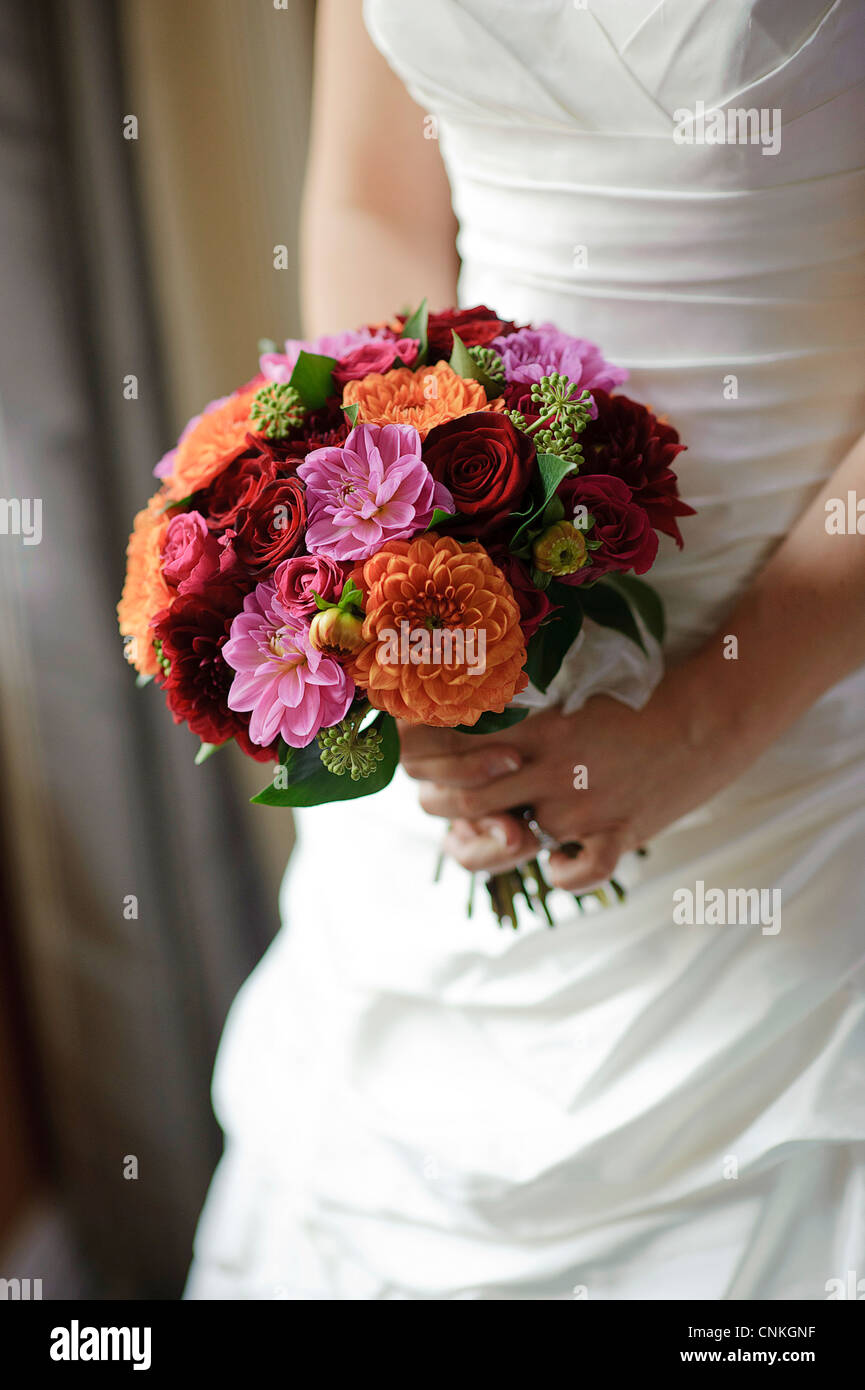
(620, 524)
(477, 327)
(533, 603)
(487, 466)
(236, 488)
(193, 632)
(629, 442)
(272, 527)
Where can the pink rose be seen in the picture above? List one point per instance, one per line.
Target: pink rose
(192, 557)
(297, 578)
(378, 355)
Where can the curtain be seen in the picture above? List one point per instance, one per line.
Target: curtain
(141, 887)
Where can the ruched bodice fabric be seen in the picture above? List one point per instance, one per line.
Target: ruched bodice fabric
(419, 1106)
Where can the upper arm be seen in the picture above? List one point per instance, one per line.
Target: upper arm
(368, 148)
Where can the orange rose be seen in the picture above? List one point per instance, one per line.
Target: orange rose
(443, 634)
(217, 439)
(145, 592)
(424, 398)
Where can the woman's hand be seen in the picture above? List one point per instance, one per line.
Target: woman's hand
(606, 777)
(798, 629)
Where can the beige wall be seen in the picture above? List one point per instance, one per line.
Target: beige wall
(221, 92)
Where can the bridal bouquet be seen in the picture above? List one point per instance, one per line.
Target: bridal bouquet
(408, 521)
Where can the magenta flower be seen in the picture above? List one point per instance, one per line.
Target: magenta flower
(372, 489)
(376, 356)
(192, 557)
(531, 353)
(278, 366)
(299, 579)
(286, 686)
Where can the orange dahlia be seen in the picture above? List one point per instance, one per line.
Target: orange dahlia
(217, 438)
(145, 592)
(442, 629)
(424, 398)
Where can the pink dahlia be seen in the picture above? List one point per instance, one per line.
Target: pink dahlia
(372, 489)
(531, 353)
(288, 687)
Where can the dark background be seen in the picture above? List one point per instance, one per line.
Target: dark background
(153, 257)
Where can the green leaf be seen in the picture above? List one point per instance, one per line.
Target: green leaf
(182, 502)
(490, 723)
(462, 362)
(554, 511)
(548, 646)
(350, 597)
(351, 412)
(206, 751)
(551, 471)
(540, 578)
(312, 379)
(415, 326)
(440, 518)
(266, 345)
(643, 598)
(607, 607)
(310, 784)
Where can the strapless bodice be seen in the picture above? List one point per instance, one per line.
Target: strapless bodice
(592, 189)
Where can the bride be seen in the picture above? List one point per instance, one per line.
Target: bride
(639, 1103)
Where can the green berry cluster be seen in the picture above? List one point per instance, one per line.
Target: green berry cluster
(563, 416)
(344, 748)
(276, 408)
(489, 362)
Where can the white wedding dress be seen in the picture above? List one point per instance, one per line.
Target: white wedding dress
(419, 1106)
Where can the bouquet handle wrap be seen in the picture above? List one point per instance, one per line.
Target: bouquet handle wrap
(601, 661)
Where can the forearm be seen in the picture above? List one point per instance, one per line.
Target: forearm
(799, 629)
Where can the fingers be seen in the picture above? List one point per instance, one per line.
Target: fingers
(472, 769)
(466, 802)
(491, 844)
(594, 864)
(421, 741)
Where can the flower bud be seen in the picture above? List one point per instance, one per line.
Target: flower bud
(561, 549)
(336, 632)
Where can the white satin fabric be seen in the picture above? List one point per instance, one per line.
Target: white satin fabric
(418, 1106)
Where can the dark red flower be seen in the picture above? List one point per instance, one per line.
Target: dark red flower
(477, 327)
(192, 632)
(620, 524)
(236, 488)
(272, 526)
(517, 395)
(321, 429)
(627, 441)
(487, 466)
(533, 603)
